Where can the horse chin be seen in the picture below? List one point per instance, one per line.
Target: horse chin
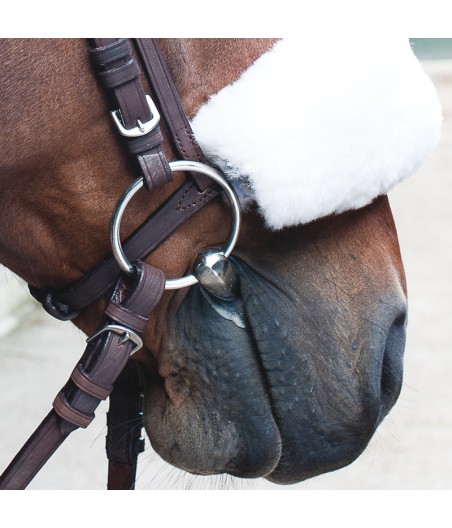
(291, 387)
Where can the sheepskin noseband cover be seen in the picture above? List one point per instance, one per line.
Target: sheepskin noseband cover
(321, 128)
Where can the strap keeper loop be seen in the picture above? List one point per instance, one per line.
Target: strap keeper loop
(53, 306)
(119, 49)
(89, 385)
(69, 413)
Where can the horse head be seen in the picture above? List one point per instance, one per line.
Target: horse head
(290, 376)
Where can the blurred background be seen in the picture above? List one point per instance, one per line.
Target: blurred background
(411, 449)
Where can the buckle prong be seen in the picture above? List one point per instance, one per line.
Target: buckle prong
(142, 128)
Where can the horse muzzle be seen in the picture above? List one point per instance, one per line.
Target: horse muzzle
(292, 386)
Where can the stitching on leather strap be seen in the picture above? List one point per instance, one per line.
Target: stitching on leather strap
(192, 204)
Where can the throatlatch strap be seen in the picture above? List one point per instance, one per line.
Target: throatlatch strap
(102, 363)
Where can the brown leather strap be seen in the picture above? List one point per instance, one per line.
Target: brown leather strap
(66, 303)
(119, 73)
(103, 360)
(39, 448)
(124, 421)
(166, 94)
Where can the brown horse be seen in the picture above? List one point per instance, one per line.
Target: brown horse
(301, 388)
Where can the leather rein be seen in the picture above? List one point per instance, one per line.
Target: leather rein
(133, 288)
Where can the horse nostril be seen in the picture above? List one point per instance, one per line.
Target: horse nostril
(392, 364)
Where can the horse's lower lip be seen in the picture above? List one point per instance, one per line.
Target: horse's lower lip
(209, 412)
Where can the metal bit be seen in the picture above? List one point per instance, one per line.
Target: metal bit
(216, 274)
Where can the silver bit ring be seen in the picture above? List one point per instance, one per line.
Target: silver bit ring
(190, 166)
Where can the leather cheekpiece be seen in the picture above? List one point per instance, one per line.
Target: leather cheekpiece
(119, 72)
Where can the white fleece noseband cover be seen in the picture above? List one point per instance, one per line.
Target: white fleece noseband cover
(321, 128)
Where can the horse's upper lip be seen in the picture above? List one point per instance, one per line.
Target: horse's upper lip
(326, 409)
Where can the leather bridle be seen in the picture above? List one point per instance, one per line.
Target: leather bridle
(105, 369)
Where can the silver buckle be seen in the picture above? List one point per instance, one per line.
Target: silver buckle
(126, 333)
(142, 128)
